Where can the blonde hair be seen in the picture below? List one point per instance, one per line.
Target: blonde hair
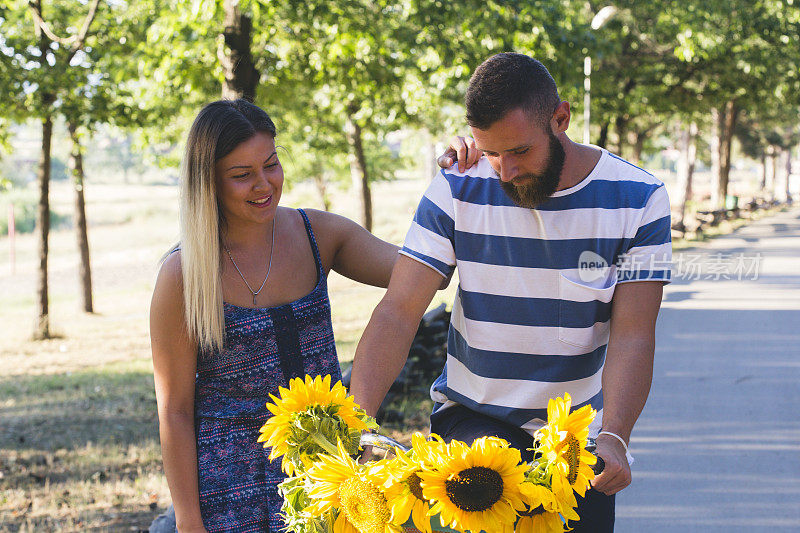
(217, 130)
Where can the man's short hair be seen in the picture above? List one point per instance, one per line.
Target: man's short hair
(508, 81)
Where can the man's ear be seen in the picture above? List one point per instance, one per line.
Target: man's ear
(560, 120)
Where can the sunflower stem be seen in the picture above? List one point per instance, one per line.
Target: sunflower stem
(539, 471)
(324, 443)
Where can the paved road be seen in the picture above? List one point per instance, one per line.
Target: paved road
(718, 445)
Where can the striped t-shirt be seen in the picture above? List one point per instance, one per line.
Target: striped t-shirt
(531, 317)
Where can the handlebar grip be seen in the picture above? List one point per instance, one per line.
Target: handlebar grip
(599, 466)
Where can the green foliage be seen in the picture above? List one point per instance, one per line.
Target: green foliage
(397, 64)
(98, 82)
(309, 157)
(26, 206)
(325, 428)
(295, 502)
(58, 169)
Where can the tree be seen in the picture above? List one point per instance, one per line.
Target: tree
(741, 47)
(46, 59)
(354, 56)
(686, 164)
(85, 269)
(241, 77)
(86, 78)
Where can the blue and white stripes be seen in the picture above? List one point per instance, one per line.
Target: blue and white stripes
(531, 318)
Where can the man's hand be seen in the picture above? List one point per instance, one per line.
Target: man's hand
(617, 473)
(461, 149)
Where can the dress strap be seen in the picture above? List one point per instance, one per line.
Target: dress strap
(313, 241)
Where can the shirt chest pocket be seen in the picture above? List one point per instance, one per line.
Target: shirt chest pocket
(584, 309)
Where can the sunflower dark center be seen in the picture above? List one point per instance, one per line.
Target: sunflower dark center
(532, 512)
(474, 489)
(415, 487)
(573, 457)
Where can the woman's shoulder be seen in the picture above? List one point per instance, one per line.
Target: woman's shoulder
(171, 263)
(327, 223)
(323, 223)
(167, 306)
(169, 281)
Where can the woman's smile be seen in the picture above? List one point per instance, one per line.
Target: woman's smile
(262, 201)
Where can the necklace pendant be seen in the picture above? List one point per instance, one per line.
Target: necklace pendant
(254, 300)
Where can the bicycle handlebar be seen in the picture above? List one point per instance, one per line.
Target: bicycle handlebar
(387, 443)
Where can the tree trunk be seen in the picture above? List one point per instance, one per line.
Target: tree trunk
(775, 174)
(769, 173)
(638, 147)
(42, 327)
(763, 185)
(729, 123)
(788, 175)
(358, 169)
(322, 184)
(431, 166)
(241, 76)
(692, 163)
(603, 139)
(85, 269)
(714, 145)
(322, 189)
(686, 171)
(621, 127)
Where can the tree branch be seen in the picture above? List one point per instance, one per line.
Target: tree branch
(84, 31)
(42, 26)
(75, 42)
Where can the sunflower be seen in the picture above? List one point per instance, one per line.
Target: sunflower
(426, 451)
(293, 509)
(539, 520)
(564, 496)
(339, 483)
(476, 487)
(546, 486)
(562, 441)
(308, 418)
(403, 489)
(541, 513)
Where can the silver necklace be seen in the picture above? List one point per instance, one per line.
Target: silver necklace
(269, 266)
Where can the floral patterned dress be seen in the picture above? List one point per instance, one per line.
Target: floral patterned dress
(265, 348)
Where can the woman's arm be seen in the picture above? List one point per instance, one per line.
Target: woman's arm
(174, 367)
(353, 252)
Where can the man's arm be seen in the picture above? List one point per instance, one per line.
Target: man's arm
(383, 348)
(627, 375)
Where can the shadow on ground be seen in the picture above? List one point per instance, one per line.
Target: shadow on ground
(79, 451)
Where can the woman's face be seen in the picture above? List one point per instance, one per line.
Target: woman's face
(249, 181)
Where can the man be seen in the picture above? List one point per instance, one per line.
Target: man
(562, 251)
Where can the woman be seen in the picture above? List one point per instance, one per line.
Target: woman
(240, 308)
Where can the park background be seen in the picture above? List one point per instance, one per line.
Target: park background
(98, 96)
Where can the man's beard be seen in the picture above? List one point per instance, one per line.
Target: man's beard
(540, 186)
